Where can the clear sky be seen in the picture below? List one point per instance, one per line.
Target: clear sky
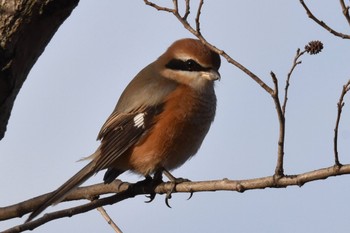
(75, 84)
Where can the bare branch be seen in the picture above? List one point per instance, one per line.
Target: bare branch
(295, 63)
(187, 10)
(345, 11)
(198, 29)
(126, 190)
(88, 193)
(159, 8)
(340, 105)
(176, 6)
(281, 119)
(109, 219)
(313, 47)
(323, 24)
(67, 213)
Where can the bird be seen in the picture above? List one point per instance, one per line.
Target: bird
(159, 121)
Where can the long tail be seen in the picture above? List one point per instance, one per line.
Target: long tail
(59, 194)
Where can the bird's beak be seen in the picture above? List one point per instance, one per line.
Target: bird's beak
(212, 75)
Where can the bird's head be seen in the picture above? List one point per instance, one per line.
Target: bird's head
(190, 62)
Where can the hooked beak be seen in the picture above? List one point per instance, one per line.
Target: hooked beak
(211, 75)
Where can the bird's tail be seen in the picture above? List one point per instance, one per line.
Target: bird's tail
(59, 194)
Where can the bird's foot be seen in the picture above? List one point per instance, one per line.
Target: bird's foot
(158, 179)
(153, 182)
(174, 181)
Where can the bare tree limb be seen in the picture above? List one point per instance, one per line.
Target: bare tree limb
(321, 23)
(340, 106)
(109, 220)
(157, 7)
(281, 114)
(281, 119)
(345, 11)
(125, 190)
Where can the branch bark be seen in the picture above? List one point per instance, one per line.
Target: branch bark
(345, 10)
(122, 191)
(26, 27)
(340, 106)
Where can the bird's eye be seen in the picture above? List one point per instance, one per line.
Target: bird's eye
(191, 65)
(187, 65)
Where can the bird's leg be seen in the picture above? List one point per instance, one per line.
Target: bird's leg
(173, 178)
(148, 180)
(156, 180)
(175, 181)
(158, 177)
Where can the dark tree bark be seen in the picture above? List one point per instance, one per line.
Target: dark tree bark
(26, 27)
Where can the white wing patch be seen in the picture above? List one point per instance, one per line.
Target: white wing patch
(139, 120)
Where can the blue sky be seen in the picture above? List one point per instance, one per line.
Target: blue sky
(75, 84)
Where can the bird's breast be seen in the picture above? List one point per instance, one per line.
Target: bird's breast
(178, 131)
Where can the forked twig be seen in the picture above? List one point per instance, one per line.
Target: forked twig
(281, 113)
(312, 48)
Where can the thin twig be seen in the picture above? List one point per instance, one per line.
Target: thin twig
(159, 8)
(187, 10)
(295, 63)
(198, 29)
(345, 10)
(279, 171)
(176, 6)
(109, 220)
(323, 24)
(340, 106)
(186, 187)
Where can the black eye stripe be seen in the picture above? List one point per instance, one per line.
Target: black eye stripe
(188, 65)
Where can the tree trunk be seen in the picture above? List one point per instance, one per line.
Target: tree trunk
(26, 27)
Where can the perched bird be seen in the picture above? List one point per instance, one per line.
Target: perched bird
(160, 120)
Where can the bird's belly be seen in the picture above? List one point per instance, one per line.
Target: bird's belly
(168, 150)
